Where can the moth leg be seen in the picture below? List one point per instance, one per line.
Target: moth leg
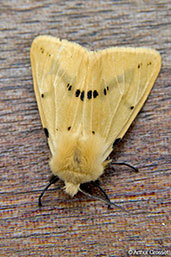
(53, 179)
(95, 183)
(94, 197)
(106, 200)
(126, 164)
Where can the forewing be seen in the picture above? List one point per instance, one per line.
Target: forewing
(59, 69)
(123, 78)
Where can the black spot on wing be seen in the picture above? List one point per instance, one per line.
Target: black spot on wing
(69, 87)
(89, 94)
(149, 63)
(93, 132)
(132, 107)
(69, 128)
(46, 132)
(117, 140)
(82, 96)
(139, 65)
(95, 93)
(105, 91)
(42, 50)
(77, 93)
(42, 95)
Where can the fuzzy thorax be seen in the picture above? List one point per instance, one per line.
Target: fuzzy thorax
(78, 159)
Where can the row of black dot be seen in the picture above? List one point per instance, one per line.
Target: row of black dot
(140, 64)
(93, 132)
(42, 51)
(90, 94)
(69, 128)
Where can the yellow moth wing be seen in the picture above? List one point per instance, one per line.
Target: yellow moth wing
(57, 67)
(127, 76)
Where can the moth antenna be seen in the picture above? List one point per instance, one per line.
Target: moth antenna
(126, 164)
(53, 180)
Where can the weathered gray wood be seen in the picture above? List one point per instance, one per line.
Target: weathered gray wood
(80, 226)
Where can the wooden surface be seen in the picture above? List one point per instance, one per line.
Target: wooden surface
(82, 226)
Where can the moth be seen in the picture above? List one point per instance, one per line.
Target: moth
(87, 100)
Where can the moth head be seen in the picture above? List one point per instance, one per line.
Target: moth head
(77, 159)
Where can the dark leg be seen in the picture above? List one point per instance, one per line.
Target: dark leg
(53, 180)
(93, 196)
(104, 193)
(107, 200)
(126, 164)
(107, 197)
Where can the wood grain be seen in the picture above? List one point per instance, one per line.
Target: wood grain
(81, 226)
